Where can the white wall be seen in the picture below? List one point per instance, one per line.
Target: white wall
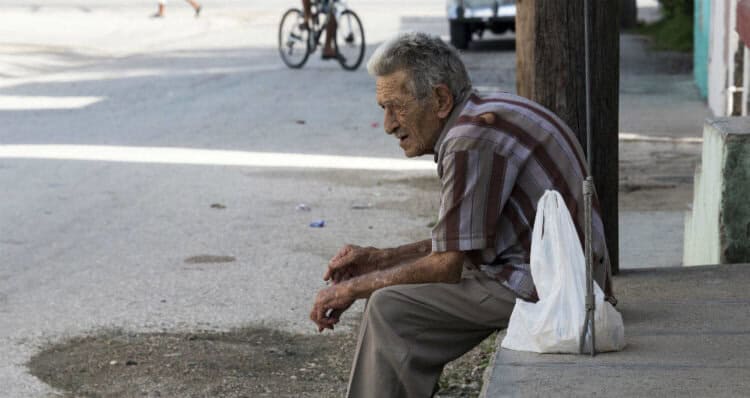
(722, 47)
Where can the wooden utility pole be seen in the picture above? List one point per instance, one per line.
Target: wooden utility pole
(628, 14)
(551, 71)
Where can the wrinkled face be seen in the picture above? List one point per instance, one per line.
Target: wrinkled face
(415, 123)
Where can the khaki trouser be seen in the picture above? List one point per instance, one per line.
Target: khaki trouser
(409, 332)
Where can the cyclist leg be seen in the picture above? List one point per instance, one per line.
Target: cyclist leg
(328, 50)
(307, 7)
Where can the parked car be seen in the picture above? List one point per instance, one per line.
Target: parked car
(467, 17)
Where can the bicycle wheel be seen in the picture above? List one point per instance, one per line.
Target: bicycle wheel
(350, 40)
(294, 46)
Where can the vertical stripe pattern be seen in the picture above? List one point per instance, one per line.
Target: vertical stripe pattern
(453, 218)
(497, 157)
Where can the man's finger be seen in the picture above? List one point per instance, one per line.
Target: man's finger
(341, 261)
(342, 275)
(328, 274)
(335, 266)
(334, 276)
(342, 252)
(329, 324)
(314, 317)
(321, 314)
(317, 314)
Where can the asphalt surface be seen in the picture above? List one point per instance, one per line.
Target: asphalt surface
(90, 244)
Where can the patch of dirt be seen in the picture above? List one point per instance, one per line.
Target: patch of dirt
(209, 259)
(463, 377)
(249, 362)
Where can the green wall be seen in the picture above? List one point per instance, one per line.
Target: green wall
(701, 32)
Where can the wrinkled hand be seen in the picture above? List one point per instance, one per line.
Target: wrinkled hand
(330, 303)
(351, 261)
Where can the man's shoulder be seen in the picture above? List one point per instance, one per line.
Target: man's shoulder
(512, 116)
(508, 125)
(482, 117)
(499, 100)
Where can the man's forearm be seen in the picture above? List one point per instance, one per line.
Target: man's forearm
(443, 267)
(399, 255)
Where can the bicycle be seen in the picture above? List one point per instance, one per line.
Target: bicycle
(296, 42)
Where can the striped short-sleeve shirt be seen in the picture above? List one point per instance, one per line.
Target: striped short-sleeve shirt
(496, 157)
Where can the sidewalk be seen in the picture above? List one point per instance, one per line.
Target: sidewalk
(686, 328)
(687, 332)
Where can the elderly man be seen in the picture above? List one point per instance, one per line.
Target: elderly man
(432, 301)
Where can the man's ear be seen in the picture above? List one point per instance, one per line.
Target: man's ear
(444, 101)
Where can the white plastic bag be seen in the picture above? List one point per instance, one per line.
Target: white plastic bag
(554, 323)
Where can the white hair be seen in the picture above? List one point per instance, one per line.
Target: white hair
(428, 61)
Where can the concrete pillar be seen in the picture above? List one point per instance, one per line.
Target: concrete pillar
(717, 230)
(722, 49)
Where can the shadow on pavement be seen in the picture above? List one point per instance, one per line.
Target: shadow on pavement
(494, 44)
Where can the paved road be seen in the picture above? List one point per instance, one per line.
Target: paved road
(90, 244)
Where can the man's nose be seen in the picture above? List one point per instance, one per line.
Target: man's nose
(390, 123)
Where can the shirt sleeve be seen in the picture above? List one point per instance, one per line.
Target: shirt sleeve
(471, 200)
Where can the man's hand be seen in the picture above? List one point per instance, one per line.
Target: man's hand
(351, 261)
(349, 284)
(330, 303)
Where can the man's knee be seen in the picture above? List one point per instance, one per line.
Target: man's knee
(386, 305)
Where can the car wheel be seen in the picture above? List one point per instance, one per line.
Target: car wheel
(460, 35)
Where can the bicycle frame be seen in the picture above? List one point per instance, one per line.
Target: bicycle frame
(335, 8)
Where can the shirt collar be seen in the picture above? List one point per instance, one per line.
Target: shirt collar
(451, 121)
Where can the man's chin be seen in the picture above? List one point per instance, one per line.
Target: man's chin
(412, 153)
